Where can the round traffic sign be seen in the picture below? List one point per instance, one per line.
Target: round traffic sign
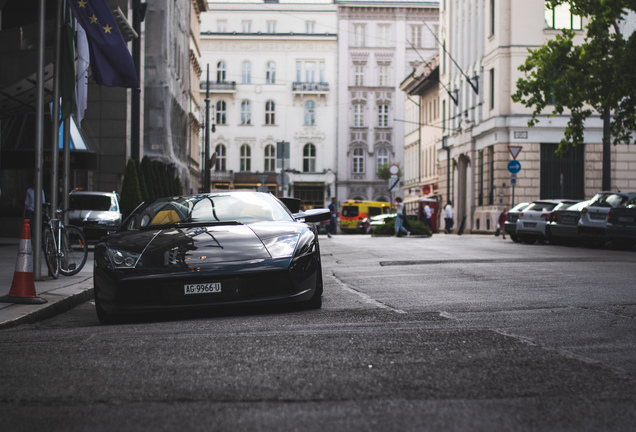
(514, 166)
(394, 169)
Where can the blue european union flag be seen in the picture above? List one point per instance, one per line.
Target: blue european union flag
(111, 63)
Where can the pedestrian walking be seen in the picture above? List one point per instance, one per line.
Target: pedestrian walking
(448, 217)
(400, 218)
(501, 222)
(333, 220)
(428, 213)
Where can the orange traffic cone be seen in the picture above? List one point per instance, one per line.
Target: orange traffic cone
(23, 285)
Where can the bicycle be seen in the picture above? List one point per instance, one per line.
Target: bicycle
(65, 247)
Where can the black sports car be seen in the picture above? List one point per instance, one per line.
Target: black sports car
(209, 250)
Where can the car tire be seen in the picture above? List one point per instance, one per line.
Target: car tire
(104, 317)
(315, 302)
(528, 240)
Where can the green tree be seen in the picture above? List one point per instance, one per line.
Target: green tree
(130, 193)
(142, 181)
(146, 167)
(595, 76)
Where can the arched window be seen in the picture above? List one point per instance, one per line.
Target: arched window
(220, 72)
(358, 161)
(310, 113)
(246, 158)
(221, 158)
(309, 158)
(270, 73)
(246, 73)
(270, 158)
(246, 113)
(221, 108)
(270, 113)
(382, 156)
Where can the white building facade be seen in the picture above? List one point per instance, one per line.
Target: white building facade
(273, 73)
(380, 43)
(482, 45)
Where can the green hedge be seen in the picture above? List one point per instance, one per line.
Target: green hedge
(415, 227)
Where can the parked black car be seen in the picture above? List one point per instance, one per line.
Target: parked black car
(209, 251)
(621, 224)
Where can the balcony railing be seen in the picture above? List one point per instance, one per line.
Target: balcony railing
(310, 87)
(219, 87)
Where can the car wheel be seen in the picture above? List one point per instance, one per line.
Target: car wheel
(315, 302)
(528, 240)
(515, 238)
(103, 316)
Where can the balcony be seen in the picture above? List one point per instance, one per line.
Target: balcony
(310, 88)
(218, 87)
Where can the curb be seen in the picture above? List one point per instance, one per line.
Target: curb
(51, 309)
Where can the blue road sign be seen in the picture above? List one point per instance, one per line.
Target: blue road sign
(514, 166)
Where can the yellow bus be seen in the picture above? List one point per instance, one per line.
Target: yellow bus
(355, 215)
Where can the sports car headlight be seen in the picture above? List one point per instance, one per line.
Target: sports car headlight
(281, 247)
(120, 259)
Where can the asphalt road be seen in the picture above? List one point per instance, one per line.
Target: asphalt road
(452, 333)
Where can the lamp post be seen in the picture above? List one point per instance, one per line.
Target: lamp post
(206, 156)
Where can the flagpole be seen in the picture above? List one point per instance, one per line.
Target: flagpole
(55, 114)
(39, 141)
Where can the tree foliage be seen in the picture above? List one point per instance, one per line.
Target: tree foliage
(595, 76)
(383, 172)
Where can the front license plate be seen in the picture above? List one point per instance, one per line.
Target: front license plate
(202, 288)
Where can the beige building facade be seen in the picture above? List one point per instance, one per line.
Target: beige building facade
(482, 44)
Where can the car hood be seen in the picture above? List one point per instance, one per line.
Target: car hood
(203, 244)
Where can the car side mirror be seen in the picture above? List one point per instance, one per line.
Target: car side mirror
(293, 204)
(313, 215)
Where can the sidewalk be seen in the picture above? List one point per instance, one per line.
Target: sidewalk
(61, 294)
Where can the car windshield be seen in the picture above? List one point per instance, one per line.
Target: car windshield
(243, 207)
(519, 207)
(349, 211)
(91, 202)
(541, 207)
(606, 199)
(578, 206)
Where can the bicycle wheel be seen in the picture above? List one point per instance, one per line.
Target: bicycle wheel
(50, 253)
(74, 251)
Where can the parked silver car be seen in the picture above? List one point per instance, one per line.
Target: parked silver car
(98, 213)
(592, 225)
(510, 225)
(533, 220)
(563, 224)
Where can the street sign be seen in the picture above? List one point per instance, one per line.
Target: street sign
(514, 166)
(513, 180)
(393, 181)
(394, 169)
(282, 150)
(514, 150)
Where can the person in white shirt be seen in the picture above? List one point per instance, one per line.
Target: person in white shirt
(428, 213)
(448, 217)
(399, 218)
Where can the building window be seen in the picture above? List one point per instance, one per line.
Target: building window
(310, 72)
(310, 27)
(221, 158)
(270, 113)
(246, 72)
(382, 157)
(310, 113)
(221, 72)
(307, 69)
(221, 26)
(246, 158)
(562, 176)
(270, 158)
(383, 116)
(492, 89)
(221, 108)
(561, 18)
(246, 26)
(309, 158)
(270, 73)
(383, 76)
(358, 115)
(359, 75)
(358, 161)
(271, 26)
(384, 35)
(321, 71)
(246, 113)
(359, 35)
(416, 36)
